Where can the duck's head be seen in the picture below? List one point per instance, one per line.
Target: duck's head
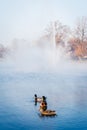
(44, 98)
(35, 95)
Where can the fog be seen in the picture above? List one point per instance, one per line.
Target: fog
(30, 57)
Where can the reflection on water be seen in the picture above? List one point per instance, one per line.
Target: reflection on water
(67, 94)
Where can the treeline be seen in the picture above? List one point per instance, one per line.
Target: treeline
(74, 40)
(3, 51)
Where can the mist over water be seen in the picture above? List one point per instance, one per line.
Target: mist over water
(33, 58)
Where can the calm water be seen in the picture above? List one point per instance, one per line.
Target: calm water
(66, 93)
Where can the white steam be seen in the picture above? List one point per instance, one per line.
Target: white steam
(32, 58)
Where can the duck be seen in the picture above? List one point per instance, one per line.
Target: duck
(48, 112)
(43, 105)
(39, 99)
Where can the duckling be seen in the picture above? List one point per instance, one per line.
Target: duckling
(39, 99)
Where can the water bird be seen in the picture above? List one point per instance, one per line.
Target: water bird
(39, 99)
(44, 111)
(43, 105)
(47, 112)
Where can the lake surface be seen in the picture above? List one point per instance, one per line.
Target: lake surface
(66, 93)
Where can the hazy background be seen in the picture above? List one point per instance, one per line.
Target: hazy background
(27, 19)
(22, 22)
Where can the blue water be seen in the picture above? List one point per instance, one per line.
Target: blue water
(66, 93)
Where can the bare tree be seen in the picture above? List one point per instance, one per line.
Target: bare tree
(59, 30)
(80, 32)
(78, 42)
(3, 51)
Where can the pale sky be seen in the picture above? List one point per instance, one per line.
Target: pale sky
(26, 19)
